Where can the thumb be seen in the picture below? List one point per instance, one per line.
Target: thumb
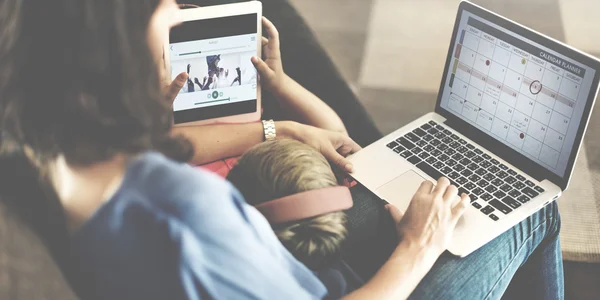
(394, 212)
(338, 160)
(263, 69)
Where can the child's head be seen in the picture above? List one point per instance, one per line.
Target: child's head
(281, 168)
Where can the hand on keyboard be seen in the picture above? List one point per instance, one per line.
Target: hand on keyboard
(431, 216)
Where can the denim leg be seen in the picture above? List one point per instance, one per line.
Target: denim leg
(530, 249)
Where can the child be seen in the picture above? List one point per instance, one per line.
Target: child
(276, 170)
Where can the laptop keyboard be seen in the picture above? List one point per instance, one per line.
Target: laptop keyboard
(438, 152)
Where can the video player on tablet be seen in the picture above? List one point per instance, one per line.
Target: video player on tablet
(214, 46)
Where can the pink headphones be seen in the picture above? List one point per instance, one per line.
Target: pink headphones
(306, 204)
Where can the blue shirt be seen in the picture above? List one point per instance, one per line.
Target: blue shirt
(174, 232)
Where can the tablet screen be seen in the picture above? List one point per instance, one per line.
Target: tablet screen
(216, 54)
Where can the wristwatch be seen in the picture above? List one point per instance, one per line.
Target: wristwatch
(269, 128)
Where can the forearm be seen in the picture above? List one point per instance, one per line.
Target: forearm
(214, 142)
(307, 108)
(399, 276)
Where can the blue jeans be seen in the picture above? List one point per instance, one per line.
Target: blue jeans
(523, 263)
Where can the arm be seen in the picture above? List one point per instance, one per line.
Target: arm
(300, 104)
(425, 232)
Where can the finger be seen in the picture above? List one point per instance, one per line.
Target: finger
(459, 209)
(262, 67)
(272, 33)
(176, 86)
(338, 159)
(265, 41)
(394, 212)
(348, 146)
(425, 187)
(441, 186)
(451, 193)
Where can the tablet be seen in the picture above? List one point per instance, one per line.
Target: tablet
(214, 45)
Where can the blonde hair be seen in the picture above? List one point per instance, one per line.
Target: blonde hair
(281, 168)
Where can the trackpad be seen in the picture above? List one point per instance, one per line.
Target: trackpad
(401, 190)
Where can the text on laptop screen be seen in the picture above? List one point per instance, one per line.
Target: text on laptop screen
(521, 93)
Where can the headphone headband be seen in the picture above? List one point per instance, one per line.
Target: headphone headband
(306, 204)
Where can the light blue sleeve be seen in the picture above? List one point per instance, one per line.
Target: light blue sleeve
(228, 250)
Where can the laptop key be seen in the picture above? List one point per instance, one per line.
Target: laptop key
(476, 205)
(392, 144)
(500, 206)
(427, 169)
(461, 180)
(432, 131)
(428, 137)
(489, 177)
(448, 140)
(466, 172)
(518, 185)
(473, 166)
(421, 143)
(523, 199)
(442, 147)
(406, 143)
(425, 126)
(446, 170)
(424, 155)
(463, 142)
(458, 167)
(440, 135)
(503, 167)
(444, 157)
(419, 132)
(520, 177)
(487, 210)
(451, 162)
(428, 148)
(474, 178)
(487, 197)
(454, 145)
(473, 197)
(454, 175)
(485, 164)
(510, 180)
(493, 217)
(485, 156)
(515, 194)
(450, 151)
(494, 161)
(512, 172)
(462, 149)
(501, 174)
(465, 161)
(411, 137)
(497, 182)
(477, 191)
(506, 188)
(493, 169)
(406, 154)
(432, 123)
(491, 189)
(470, 185)
(470, 154)
(414, 160)
(479, 152)
(457, 156)
(462, 190)
(511, 202)
(481, 172)
(399, 149)
(447, 132)
(436, 152)
(470, 146)
(482, 183)
(539, 189)
(438, 165)
(435, 142)
(477, 159)
(529, 183)
(416, 150)
(529, 192)
(439, 127)
(499, 194)
(454, 137)
(431, 160)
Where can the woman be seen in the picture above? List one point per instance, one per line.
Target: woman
(139, 223)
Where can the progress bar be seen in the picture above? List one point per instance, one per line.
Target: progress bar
(220, 100)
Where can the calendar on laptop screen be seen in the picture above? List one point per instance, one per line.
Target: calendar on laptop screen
(519, 92)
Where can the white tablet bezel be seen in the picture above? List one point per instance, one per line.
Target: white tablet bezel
(217, 11)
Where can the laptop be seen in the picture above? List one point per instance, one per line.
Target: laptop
(510, 116)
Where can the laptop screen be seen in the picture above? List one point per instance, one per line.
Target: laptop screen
(521, 93)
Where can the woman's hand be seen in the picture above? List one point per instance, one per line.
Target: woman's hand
(335, 146)
(431, 217)
(176, 85)
(270, 70)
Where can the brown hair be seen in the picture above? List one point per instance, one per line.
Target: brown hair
(281, 168)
